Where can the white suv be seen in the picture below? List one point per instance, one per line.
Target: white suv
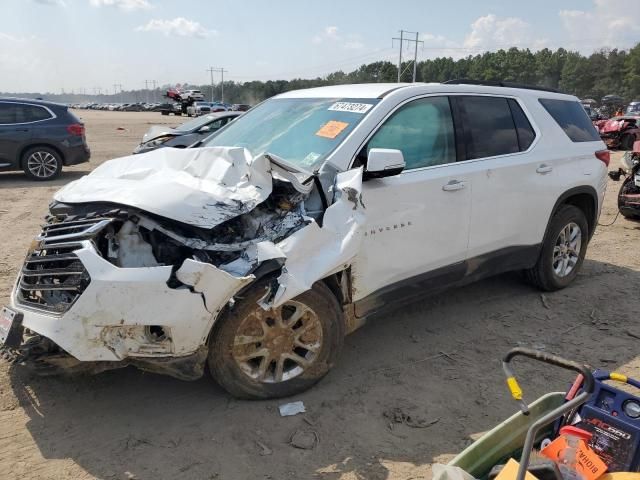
(192, 95)
(257, 253)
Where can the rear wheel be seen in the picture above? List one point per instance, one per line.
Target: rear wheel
(256, 353)
(42, 163)
(563, 250)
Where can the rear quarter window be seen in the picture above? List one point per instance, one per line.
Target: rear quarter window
(572, 118)
(33, 113)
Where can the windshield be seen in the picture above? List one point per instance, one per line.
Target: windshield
(195, 123)
(302, 131)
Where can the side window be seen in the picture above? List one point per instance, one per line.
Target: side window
(33, 113)
(7, 113)
(572, 118)
(422, 130)
(525, 131)
(489, 126)
(216, 125)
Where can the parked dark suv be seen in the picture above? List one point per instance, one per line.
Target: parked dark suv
(40, 137)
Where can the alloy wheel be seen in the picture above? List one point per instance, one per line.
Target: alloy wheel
(273, 346)
(566, 251)
(42, 164)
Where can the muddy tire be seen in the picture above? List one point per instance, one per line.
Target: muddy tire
(257, 354)
(563, 250)
(41, 163)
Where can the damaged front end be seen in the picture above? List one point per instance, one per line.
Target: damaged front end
(138, 272)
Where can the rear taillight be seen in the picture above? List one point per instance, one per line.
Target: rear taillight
(604, 156)
(76, 129)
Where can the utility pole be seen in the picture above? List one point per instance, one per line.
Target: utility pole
(221, 72)
(154, 90)
(115, 92)
(210, 70)
(146, 88)
(402, 39)
(400, 56)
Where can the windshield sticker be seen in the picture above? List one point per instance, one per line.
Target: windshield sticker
(350, 107)
(310, 159)
(331, 129)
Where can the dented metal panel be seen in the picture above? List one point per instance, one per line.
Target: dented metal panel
(314, 252)
(201, 187)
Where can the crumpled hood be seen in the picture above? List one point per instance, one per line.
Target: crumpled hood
(158, 130)
(198, 186)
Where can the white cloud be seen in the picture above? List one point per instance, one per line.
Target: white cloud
(493, 32)
(602, 26)
(127, 5)
(331, 36)
(55, 3)
(179, 26)
(14, 39)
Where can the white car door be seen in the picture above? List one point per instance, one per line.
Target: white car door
(512, 185)
(418, 221)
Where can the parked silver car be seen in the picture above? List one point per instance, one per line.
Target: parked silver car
(188, 133)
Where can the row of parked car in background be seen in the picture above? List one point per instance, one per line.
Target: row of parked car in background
(165, 108)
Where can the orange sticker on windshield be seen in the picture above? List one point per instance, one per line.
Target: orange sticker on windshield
(332, 129)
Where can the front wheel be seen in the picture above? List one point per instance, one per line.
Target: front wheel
(256, 353)
(563, 250)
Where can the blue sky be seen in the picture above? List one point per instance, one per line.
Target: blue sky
(49, 45)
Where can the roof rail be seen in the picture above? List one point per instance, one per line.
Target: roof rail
(468, 81)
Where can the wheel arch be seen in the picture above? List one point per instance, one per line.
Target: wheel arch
(339, 283)
(583, 197)
(25, 149)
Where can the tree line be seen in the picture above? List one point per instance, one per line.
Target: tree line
(608, 71)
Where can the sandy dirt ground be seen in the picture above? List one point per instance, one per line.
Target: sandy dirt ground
(435, 361)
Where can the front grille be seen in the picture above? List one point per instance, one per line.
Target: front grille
(53, 277)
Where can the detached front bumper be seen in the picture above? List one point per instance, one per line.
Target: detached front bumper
(123, 312)
(79, 307)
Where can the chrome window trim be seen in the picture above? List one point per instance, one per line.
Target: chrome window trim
(524, 108)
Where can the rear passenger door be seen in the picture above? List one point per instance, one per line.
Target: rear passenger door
(512, 187)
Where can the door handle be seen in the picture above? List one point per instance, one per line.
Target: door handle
(454, 185)
(544, 168)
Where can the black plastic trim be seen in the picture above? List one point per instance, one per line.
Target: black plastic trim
(469, 81)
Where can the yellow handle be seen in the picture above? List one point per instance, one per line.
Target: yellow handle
(514, 388)
(618, 376)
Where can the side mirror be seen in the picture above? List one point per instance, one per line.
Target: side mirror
(384, 162)
(204, 129)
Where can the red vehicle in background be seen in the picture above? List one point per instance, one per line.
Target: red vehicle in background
(619, 133)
